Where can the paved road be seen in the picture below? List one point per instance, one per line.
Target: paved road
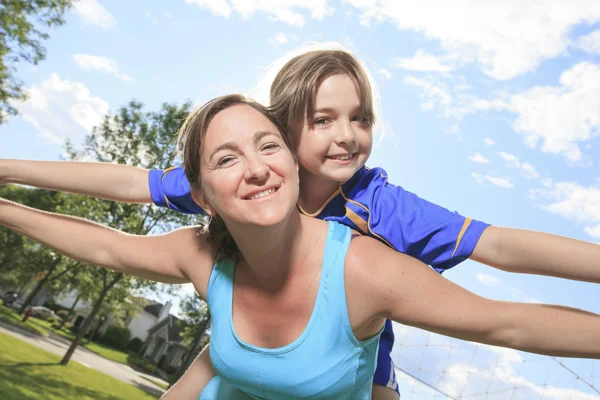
(59, 346)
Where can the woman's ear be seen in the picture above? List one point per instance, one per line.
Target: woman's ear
(200, 199)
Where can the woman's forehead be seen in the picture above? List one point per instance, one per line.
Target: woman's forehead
(237, 123)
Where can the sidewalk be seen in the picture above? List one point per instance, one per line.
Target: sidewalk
(58, 345)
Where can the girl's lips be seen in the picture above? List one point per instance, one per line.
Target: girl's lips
(342, 161)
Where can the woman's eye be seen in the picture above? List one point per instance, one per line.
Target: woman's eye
(270, 146)
(224, 161)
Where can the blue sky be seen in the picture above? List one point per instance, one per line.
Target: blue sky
(490, 110)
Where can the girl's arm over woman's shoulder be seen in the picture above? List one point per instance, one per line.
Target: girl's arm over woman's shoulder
(382, 283)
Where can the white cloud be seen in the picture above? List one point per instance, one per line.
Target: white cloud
(152, 18)
(98, 63)
(506, 39)
(526, 170)
(385, 73)
(60, 109)
(561, 116)
(421, 62)
(489, 142)
(277, 10)
(593, 231)
(487, 280)
(572, 201)
(478, 158)
(94, 14)
(448, 95)
(279, 38)
(496, 181)
(590, 42)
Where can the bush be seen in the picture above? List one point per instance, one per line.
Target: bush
(151, 368)
(63, 314)
(53, 306)
(116, 337)
(170, 370)
(53, 321)
(135, 344)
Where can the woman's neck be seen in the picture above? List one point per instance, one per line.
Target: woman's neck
(273, 254)
(314, 191)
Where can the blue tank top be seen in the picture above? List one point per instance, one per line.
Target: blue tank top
(325, 362)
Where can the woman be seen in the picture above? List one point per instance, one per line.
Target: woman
(277, 273)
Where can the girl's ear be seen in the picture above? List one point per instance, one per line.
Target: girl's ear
(200, 199)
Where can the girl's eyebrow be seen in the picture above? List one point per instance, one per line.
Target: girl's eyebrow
(332, 110)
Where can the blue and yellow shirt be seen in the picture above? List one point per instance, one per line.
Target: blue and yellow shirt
(371, 205)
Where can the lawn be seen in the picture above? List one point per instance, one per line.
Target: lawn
(29, 373)
(11, 317)
(41, 327)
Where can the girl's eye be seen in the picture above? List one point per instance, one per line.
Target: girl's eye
(362, 119)
(321, 122)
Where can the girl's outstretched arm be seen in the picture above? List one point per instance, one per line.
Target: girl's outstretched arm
(165, 258)
(116, 182)
(517, 250)
(392, 285)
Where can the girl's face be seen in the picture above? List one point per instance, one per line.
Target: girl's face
(249, 176)
(336, 140)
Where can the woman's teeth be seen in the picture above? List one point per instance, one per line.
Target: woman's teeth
(262, 194)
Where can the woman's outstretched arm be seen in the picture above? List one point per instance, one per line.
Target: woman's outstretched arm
(395, 286)
(164, 258)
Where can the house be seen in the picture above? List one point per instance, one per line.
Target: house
(139, 324)
(164, 345)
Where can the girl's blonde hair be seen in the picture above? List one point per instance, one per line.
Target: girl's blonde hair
(293, 79)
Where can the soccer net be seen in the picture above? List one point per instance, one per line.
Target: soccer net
(430, 366)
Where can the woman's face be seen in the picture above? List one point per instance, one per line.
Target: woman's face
(249, 176)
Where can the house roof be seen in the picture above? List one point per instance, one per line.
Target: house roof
(153, 309)
(174, 328)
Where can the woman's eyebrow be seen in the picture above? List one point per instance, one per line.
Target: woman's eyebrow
(234, 146)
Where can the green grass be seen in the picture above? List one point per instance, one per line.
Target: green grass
(107, 352)
(9, 316)
(157, 383)
(41, 327)
(29, 373)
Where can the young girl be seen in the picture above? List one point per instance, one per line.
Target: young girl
(298, 304)
(325, 100)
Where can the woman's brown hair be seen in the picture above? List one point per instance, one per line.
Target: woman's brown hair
(190, 140)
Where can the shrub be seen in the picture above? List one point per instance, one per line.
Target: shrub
(151, 368)
(63, 314)
(135, 344)
(116, 337)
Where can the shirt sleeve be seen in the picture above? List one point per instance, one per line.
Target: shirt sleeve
(170, 188)
(433, 234)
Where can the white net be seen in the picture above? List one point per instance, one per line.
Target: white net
(430, 366)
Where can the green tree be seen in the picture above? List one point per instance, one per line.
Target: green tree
(196, 323)
(23, 27)
(137, 138)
